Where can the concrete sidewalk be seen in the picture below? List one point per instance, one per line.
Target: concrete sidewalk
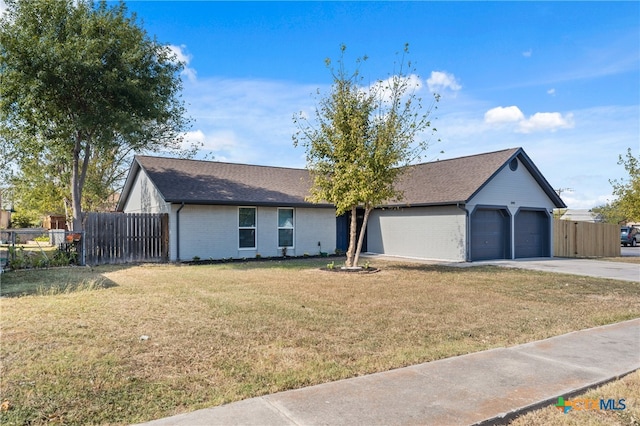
(484, 387)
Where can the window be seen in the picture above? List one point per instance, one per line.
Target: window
(285, 228)
(247, 227)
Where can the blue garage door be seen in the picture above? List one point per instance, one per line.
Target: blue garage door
(532, 234)
(490, 234)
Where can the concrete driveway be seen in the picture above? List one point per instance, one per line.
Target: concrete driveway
(586, 267)
(630, 251)
(562, 265)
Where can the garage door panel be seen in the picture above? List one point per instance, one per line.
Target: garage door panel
(489, 234)
(531, 237)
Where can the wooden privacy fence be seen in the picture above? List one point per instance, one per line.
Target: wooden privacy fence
(585, 239)
(126, 237)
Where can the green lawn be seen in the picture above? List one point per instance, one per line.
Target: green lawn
(73, 349)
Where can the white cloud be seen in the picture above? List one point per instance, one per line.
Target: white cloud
(440, 80)
(222, 140)
(184, 58)
(247, 121)
(541, 121)
(527, 53)
(503, 115)
(585, 200)
(538, 122)
(383, 88)
(551, 92)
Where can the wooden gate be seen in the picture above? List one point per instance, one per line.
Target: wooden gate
(585, 239)
(126, 237)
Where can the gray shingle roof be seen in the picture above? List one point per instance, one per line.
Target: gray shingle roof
(209, 182)
(451, 181)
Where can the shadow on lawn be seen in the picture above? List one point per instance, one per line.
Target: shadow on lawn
(52, 281)
(437, 267)
(289, 262)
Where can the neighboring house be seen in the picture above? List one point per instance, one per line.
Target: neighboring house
(579, 215)
(488, 206)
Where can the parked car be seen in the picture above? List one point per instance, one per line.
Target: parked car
(629, 236)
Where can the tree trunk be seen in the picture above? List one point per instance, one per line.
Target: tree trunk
(67, 218)
(78, 176)
(353, 229)
(363, 228)
(76, 205)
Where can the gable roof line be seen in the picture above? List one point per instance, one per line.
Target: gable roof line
(466, 156)
(535, 173)
(498, 170)
(206, 182)
(542, 181)
(441, 182)
(128, 183)
(222, 162)
(531, 168)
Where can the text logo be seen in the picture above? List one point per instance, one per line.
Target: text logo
(584, 404)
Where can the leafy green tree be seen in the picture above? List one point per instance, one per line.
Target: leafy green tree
(81, 84)
(361, 140)
(610, 212)
(628, 191)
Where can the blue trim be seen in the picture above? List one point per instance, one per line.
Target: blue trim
(549, 242)
(509, 231)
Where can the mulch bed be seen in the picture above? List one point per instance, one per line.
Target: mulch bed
(257, 259)
(369, 270)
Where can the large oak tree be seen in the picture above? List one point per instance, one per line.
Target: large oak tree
(81, 84)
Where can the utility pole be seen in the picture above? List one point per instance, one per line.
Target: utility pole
(559, 191)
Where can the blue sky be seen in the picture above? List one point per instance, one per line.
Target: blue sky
(561, 80)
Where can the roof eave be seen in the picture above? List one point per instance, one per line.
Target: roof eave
(408, 205)
(248, 203)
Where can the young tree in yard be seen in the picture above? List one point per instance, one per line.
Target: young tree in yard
(80, 85)
(360, 141)
(628, 193)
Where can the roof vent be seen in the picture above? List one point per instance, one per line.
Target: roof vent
(513, 164)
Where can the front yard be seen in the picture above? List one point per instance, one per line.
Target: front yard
(128, 344)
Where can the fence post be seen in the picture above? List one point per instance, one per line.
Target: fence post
(83, 259)
(165, 236)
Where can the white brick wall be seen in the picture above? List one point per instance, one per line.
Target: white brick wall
(144, 197)
(313, 226)
(212, 232)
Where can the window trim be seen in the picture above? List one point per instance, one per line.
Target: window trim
(254, 228)
(292, 227)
